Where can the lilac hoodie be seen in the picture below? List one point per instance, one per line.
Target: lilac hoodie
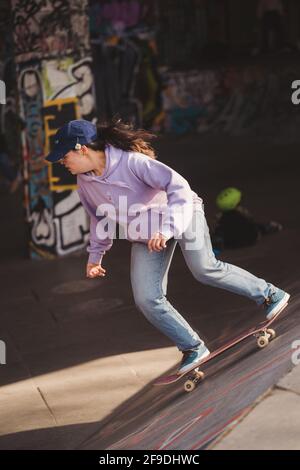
(137, 179)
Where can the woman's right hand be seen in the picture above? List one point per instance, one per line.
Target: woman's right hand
(94, 270)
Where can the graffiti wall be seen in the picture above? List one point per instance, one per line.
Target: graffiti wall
(144, 54)
(123, 38)
(55, 84)
(235, 100)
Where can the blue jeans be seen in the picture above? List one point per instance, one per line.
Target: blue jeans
(149, 279)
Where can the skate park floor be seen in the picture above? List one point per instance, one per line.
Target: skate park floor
(81, 358)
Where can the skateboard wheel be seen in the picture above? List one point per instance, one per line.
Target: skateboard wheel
(262, 342)
(272, 333)
(189, 386)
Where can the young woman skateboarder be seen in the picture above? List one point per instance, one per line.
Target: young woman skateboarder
(120, 180)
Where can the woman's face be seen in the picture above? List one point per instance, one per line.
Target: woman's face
(77, 161)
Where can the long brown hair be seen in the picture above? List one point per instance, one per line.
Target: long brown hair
(124, 136)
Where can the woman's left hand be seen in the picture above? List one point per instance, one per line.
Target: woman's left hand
(157, 242)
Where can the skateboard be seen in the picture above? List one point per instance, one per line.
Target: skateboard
(261, 332)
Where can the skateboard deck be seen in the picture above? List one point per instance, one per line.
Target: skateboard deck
(261, 332)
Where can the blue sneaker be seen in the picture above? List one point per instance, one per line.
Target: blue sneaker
(191, 357)
(275, 303)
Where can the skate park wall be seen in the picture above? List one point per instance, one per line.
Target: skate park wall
(159, 65)
(54, 84)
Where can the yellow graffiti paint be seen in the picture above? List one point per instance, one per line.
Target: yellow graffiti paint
(52, 108)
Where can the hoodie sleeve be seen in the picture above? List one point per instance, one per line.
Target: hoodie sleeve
(179, 194)
(97, 247)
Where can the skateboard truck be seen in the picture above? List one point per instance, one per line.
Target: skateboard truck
(264, 337)
(191, 383)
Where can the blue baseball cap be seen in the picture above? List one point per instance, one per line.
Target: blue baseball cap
(69, 136)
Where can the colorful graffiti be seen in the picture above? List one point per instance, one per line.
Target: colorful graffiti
(60, 230)
(55, 84)
(234, 100)
(124, 59)
(35, 170)
(145, 86)
(49, 28)
(65, 78)
(115, 72)
(113, 16)
(58, 224)
(56, 113)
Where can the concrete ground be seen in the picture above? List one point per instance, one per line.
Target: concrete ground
(80, 358)
(272, 424)
(70, 360)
